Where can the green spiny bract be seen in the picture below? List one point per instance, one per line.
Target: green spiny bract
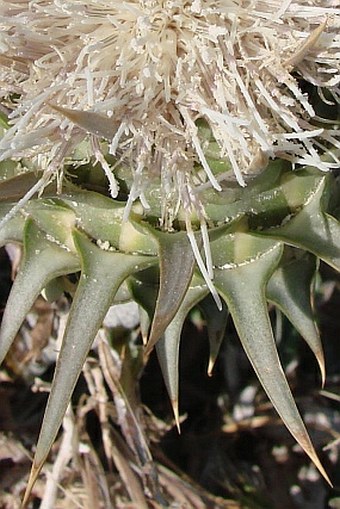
(252, 233)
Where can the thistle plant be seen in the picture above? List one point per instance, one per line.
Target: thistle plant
(210, 122)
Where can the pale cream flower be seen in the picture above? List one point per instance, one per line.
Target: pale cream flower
(149, 69)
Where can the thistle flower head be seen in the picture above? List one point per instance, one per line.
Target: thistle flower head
(144, 72)
(167, 90)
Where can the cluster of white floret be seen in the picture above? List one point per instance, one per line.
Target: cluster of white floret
(139, 74)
